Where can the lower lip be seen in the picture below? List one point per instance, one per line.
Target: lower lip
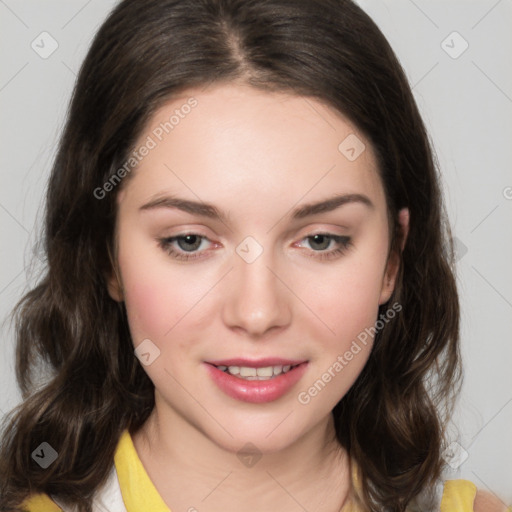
(256, 391)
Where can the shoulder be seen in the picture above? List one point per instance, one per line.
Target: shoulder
(40, 503)
(487, 502)
(108, 497)
(463, 496)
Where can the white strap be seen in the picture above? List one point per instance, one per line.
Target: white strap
(107, 498)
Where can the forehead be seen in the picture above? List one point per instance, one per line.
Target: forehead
(245, 142)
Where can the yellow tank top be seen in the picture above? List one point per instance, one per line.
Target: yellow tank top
(139, 493)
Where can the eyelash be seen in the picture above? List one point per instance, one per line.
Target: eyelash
(344, 243)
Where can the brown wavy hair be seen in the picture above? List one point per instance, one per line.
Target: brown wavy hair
(392, 421)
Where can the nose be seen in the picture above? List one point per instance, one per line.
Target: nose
(257, 300)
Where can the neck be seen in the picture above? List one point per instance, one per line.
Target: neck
(190, 470)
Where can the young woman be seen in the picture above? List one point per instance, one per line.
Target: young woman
(249, 300)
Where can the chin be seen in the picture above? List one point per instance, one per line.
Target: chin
(269, 432)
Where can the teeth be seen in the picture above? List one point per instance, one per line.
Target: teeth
(265, 372)
(249, 373)
(246, 371)
(278, 370)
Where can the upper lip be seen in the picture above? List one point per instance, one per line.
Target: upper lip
(257, 363)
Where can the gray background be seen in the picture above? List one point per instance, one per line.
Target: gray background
(466, 101)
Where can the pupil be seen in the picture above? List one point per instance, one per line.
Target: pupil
(189, 239)
(324, 237)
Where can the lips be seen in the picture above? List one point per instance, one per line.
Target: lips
(247, 386)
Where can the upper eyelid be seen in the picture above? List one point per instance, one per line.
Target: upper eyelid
(333, 236)
(310, 232)
(325, 232)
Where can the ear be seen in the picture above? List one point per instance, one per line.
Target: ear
(113, 280)
(115, 289)
(393, 264)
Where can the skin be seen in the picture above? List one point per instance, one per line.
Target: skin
(256, 156)
(486, 502)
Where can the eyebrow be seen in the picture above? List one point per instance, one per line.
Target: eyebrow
(209, 210)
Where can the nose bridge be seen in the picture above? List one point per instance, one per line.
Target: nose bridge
(257, 301)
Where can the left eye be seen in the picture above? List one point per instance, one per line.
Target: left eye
(188, 245)
(321, 239)
(342, 243)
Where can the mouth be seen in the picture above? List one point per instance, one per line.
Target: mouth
(252, 373)
(259, 381)
(256, 369)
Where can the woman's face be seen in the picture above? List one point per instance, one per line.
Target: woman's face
(283, 220)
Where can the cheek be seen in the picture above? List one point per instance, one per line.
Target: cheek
(351, 298)
(347, 302)
(146, 309)
(158, 297)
